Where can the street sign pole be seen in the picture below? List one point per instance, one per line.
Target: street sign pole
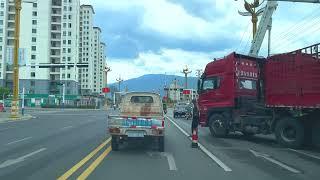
(22, 106)
(63, 94)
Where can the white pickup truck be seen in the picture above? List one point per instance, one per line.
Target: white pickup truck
(141, 117)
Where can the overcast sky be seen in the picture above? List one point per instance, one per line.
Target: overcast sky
(163, 36)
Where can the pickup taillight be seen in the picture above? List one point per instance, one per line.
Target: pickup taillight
(114, 130)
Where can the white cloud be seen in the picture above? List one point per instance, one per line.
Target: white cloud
(173, 21)
(170, 61)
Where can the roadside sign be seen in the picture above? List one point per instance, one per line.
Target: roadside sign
(186, 91)
(106, 90)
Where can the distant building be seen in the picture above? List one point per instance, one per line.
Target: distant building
(175, 92)
(91, 51)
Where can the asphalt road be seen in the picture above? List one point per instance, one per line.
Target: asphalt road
(74, 144)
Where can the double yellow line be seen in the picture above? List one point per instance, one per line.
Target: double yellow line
(92, 166)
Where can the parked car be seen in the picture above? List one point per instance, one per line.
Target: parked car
(180, 109)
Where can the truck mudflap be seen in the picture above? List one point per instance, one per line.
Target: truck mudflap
(136, 126)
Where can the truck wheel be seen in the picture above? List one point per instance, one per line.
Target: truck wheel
(161, 144)
(115, 143)
(247, 134)
(290, 132)
(217, 125)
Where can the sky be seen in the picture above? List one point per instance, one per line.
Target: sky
(165, 36)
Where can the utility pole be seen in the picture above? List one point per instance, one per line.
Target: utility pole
(186, 71)
(15, 100)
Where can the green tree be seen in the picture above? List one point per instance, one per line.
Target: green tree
(4, 92)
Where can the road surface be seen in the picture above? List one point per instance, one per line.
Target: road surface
(73, 144)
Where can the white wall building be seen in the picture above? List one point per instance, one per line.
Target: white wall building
(90, 51)
(49, 33)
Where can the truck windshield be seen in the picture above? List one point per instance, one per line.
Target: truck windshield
(141, 99)
(211, 83)
(247, 84)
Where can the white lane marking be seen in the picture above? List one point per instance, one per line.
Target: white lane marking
(13, 142)
(267, 157)
(67, 127)
(171, 161)
(20, 159)
(4, 129)
(205, 150)
(306, 154)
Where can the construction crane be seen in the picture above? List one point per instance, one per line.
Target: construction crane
(266, 25)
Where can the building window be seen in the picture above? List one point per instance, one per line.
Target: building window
(68, 76)
(69, 33)
(70, 8)
(70, 1)
(32, 83)
(69, 25)
(69, 58)
(35, 5)
(1, 13)
(34, 39)
(63, 76)
(69, 41)
(34, 13)
(34, 31)
(64, 16)
(64, 33)
(64, 25)
(2, 5)
(33, 74)
(69, 50)
(64, 50)
(33, 48)
(65, 9)
(69, 16)
(33, 56)
(34, 22)
(64, 41)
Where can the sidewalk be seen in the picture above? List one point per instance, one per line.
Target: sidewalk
(5, 117)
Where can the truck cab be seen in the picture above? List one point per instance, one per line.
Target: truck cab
(229, 91)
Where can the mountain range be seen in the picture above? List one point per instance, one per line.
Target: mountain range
(154, 83)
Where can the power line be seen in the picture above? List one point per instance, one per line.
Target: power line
(244, 34)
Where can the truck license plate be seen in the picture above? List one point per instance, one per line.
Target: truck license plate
(135, 133)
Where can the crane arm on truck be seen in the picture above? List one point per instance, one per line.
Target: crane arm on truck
(266, 23)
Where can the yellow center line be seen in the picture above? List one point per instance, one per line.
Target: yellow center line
(83, 161)
(94, 165)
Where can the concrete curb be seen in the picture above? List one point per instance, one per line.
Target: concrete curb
(23, 118)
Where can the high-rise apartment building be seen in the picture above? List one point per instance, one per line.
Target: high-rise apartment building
(49, 34)
(90, 51)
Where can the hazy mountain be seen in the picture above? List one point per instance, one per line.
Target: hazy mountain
(154, 82)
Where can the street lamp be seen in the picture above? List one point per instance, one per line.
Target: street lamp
(106, 70)
(186, 71)
(119, 80)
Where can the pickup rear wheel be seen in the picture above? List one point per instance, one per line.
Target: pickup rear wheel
(161, 144)
(115, 143)
(290, 132)
(218, 126)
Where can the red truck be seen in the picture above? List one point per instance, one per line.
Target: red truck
(280, 94)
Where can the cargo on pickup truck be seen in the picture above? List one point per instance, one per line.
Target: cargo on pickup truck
(141, 117)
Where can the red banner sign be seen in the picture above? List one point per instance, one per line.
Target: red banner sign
(106, 90)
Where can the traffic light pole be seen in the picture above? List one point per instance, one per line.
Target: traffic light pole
(15, 100)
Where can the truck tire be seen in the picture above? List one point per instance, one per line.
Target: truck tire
(247, 134)
(115, 143)
(161, 144)
(290, 132)
(217, 125)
